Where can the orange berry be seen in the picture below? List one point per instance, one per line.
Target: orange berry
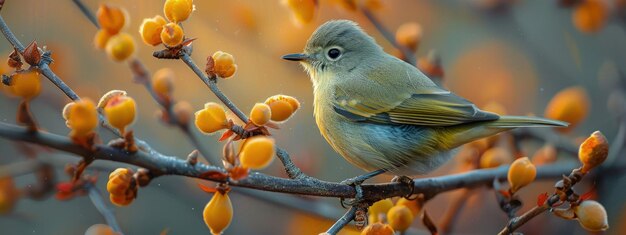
(151, 29)
(163, 83)
(569, 105)
(120, 47)
(224, 64)
(592, 216)
(544, 155)
(409, 35)
(257, 152)
(178, 10)
(100, 229)
(413, 205)
(218, 213)
(111, 19)
(260, 114)
(379, 209)
(303, 11)
(282, 107)
(400, 218)
(183, 112)
(172, 35)
(119, 109)
(81, 116)
(593, 151)
(590, 16)
(101, 39)
(377, 229)
(9, 195)
(121, 187)
(521, 173)
(494, 157)
(211, 119)
(26, 85)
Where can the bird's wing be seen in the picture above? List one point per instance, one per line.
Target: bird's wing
(412, 102)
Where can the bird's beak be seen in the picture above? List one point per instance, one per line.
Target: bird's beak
(296, 57)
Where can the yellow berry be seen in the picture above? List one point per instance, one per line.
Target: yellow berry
(400, 218)
(211, 119)
(119, 109)
(257, 152)
(590, 16)
(282, 107)
(379, 208)
(544, 155)
(521, 173)
(303, 10)
(101, 39)
(413, 205)
(218, 213)
(100, 229)
(593, 151)
(172, 35)
(81, 116)
(569, 105)
(178, 10)
(494, 157)
(111, 19)
(9, 195)
(163, 83)
(183, 112)
(26, 85)
(121, 188)
(224, 64)
(409, 35)
(120, 47)
(592, 216)
(260, 114)
(377, 229)
(151, 29)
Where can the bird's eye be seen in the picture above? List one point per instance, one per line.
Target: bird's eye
(334, 53)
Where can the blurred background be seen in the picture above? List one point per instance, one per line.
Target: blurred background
(516, 53)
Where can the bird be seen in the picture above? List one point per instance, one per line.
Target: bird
(383, 114)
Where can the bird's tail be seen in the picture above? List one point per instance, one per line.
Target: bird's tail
(470, 132)
(524, 121)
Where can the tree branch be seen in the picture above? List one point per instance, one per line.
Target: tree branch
(343, 221)
(96, 199)
(159, 164)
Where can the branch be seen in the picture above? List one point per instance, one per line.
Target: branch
(408, 54)
(521, 220)
(159, 164)
(85, 10)
(96, 198)
(343, 221)
(292, 170)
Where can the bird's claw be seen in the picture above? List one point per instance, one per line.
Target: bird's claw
(408, 181)
(358, 198)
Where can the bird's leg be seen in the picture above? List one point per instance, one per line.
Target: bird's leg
(361, 178)
(408, 181)
(356, 183)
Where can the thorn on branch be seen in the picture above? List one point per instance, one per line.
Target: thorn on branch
(14, 60)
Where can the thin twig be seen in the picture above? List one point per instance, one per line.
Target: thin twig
(521, 220)
(96, 199)
(456, 206)
(408, 54)
(343, 221)
(292, 170)
(85, 10)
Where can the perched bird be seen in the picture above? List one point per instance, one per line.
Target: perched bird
(381, 113)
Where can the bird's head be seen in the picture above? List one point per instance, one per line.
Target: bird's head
(335, 49)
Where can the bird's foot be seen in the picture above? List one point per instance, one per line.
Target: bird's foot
(356, 183)
(408, 181)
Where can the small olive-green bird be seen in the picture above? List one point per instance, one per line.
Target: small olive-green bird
(381, 113)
